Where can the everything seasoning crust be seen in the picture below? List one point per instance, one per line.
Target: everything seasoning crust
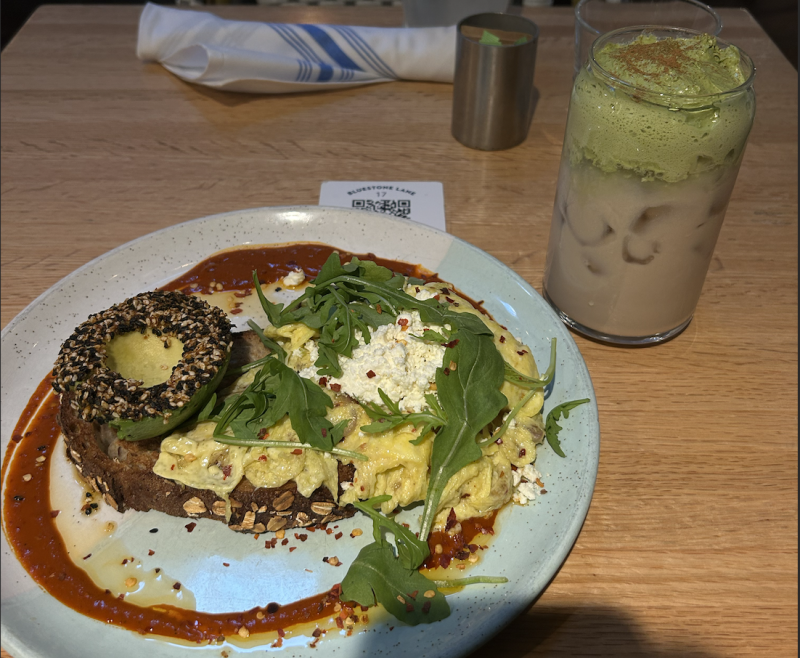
(102, 395)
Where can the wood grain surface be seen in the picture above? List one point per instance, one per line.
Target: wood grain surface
(690, 545)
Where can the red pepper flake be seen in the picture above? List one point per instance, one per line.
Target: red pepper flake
(151, 552)
(336, 387)
(55, 513)
(292, 548)
(86, 557)
(504, 327)
(190, 526)
(543, 491)
(262, 458)
(502, 339)
(447, 371)
(317, 632)
(176, 586)
(226, 564)
(403, 322)
(125, 561)
(426, 607)
(234, 311)
(472, 548)
(262, 433)
(370, 374)
(297, 451)
(172, 468)
(450, 299)
(451, 519)
(323, 381)
(302, 537)
(436, 297)
(338, 535)
(413, 594)
(339, 623)
(416, 288)
(378, 308)
(452, 343)
(241, 294)
(281, 632)
(324, 432)
(16, 438)
(445, 561)
(522, 452)
(444, 291)
(226, 471)
(284, 542)
(409, 607)
(522, 352)
(121, 596)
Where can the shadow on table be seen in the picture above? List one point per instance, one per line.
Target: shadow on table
(584, 631)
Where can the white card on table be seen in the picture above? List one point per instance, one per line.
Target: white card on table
(421, 202)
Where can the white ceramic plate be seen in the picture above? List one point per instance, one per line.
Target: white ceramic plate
(532, 543)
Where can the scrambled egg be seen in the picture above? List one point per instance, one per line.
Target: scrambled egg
(395, 466)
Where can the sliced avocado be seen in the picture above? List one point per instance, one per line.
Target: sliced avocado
(145, 357)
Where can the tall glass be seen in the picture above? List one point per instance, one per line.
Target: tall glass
(643, 187)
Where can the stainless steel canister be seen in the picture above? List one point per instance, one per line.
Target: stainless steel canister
(493, 92)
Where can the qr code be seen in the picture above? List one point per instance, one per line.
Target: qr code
(398, 208)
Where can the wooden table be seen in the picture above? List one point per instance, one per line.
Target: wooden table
(690, 545)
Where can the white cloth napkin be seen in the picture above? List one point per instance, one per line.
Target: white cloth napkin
(276, 58)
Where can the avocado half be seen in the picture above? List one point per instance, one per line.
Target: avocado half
(146, 365)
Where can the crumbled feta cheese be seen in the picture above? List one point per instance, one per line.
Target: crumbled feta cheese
(423, 293)
(526, 488)
(402, 366)
(530, 473)
(294, 278)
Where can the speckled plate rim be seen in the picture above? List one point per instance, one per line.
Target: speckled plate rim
(33, 623)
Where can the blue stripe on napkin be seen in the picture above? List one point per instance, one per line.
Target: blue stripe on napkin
(365, 50)
(332, 48)
(300, 46)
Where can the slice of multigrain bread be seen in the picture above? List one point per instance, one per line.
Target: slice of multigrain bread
(122, 471)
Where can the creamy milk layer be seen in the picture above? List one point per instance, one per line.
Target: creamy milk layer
(642, 132)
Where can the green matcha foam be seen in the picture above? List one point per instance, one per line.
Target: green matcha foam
(678, 114)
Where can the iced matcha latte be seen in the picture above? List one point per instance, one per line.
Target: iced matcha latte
(657, 126)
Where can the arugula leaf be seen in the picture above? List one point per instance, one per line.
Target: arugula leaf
(552, 428)
(376, 575)
(388, 420)
(278, 390)
(523, 381)
(273, 311)
(470, 397)
(274, 348)
(410, 551)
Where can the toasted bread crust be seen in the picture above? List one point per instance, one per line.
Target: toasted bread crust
(122, 471)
